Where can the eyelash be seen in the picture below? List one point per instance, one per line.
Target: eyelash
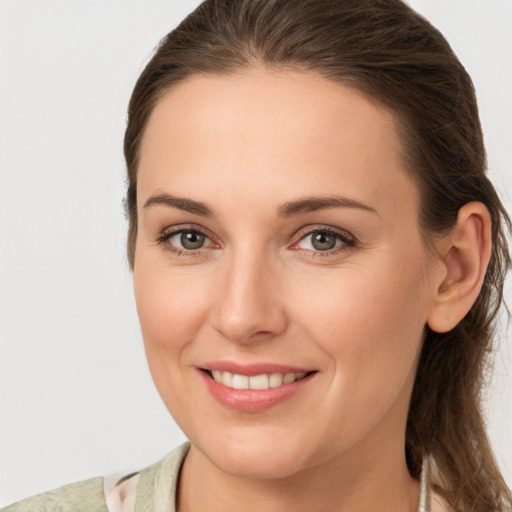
(348, 241)
(165, 236)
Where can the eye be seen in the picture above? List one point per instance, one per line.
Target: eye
(183, 241)
(189, 240)
(325, 241)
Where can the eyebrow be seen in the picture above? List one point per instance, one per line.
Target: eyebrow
(288, 209)
(188, 205)
(311, 204)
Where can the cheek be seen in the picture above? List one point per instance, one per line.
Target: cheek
(371, 323)
(170, 308)
(169, 304)
(370, 298)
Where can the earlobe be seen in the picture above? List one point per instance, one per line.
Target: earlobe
(465, 254)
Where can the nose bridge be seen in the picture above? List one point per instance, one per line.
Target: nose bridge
(249, 300)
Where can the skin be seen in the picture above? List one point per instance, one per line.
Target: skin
(258, 290)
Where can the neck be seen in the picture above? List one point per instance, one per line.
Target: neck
(371, 480)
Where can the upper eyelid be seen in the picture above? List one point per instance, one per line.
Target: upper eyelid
(308, 230)
(179, 228)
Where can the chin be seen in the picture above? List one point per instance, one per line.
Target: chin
(261, 459)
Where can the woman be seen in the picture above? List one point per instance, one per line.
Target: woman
(318, 259)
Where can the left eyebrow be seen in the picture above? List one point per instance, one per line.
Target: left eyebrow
(312, 204)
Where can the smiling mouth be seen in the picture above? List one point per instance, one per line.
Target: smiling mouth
(256, 382)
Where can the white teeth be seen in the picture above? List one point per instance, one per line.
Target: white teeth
(240, 381)
(263, 381)
(275, 380)
(227, 379)
(259, 382)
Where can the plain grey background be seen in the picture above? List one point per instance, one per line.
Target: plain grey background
(76, 398)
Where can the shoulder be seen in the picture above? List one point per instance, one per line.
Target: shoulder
(153, 488)
(84, 496)
(157, 484)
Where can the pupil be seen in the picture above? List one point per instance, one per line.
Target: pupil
(323, 241)
(191, 240)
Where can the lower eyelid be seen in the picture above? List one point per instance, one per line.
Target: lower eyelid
(178, 251)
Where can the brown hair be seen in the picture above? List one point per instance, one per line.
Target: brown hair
(388, 52)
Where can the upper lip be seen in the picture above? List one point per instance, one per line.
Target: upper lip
(251, 369)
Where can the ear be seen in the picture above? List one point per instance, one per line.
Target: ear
(465, 254)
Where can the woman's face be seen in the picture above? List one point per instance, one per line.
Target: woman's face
(278, 234)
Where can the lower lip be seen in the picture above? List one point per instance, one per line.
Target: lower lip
(252, 400)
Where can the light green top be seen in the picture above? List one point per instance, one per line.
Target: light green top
(156, 491)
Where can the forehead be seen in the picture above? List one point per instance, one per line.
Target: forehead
(295, 131)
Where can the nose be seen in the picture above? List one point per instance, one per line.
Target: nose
(250, 305)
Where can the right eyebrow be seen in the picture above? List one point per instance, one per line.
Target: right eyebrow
(188, 205)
